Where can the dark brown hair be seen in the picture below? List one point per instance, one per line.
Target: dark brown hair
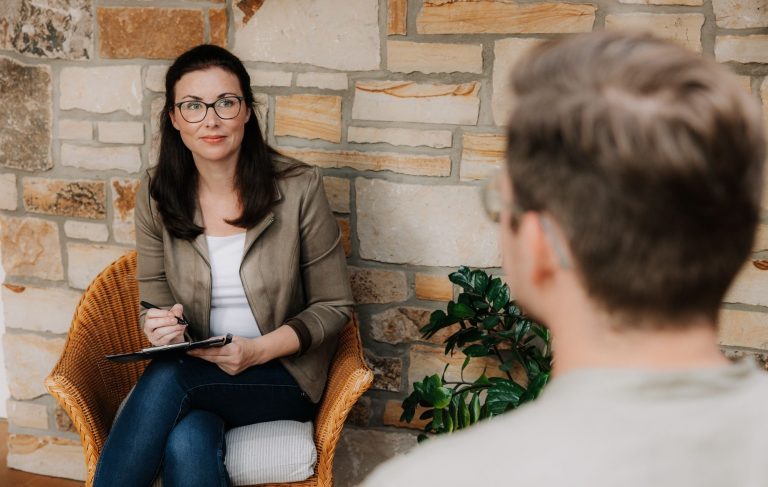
(174, 185)
(649, 157)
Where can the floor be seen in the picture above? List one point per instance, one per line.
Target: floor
(16, 478)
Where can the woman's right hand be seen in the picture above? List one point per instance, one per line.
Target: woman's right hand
(162, 327)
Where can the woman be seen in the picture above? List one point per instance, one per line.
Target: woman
(240, 240)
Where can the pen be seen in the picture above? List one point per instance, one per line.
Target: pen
(181, 321)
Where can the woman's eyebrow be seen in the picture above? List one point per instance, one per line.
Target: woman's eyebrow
(220, 96)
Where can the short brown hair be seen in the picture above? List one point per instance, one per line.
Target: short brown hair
(649, 157)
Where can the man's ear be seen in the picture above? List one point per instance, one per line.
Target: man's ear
(543, 260)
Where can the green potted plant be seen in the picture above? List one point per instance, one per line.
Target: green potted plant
(488, 323)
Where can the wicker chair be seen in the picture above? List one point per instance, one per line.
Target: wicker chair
(90, 388)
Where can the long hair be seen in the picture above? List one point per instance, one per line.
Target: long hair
(174, 185)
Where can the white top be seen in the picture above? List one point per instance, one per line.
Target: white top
(230, 312)
(609, 428)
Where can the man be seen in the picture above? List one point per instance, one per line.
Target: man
(629, 202)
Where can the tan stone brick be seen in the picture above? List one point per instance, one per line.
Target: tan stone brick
(439, 139)
(378, 285)
(95, 232)
(694, 3)
(266, 77)
(123, 202)
(9, 195)
(154, 79)
(39, 309)
(751, 285)
(31, 248)
(740, 14)
(102, 89)
(75, 130)
(503, 17)
(402, 325)
(394, 409)
(418, 165)
(27, 415)
(740, 328)
(433, 288)
(149, 33)
(437, 225)
(482, 155)
(506, 53)
(337, 192)
(83, 198)
(433, 57)
(58, 457)
(325, 81)
(219, 24)
(397, 17)
(127, 159)
(86, 261)
(309, 117)
(407, 101)
(346, 235)
(427, 360)
(121, 132)
(761, 239)
(682, 28)
(33, 357)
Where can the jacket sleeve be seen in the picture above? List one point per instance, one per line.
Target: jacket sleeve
(327, 290)
(150, 261)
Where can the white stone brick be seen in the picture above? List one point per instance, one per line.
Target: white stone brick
(56, 457)
(406, 101)
(154, 80)
(326, 33)
(424, 225)
(739, 328)
(750, 287)
(694, 3)
(102, 89)
(156, 107)
(27, 415)
(506, 53)
(742, 49)
(75, 130)
(262, 77)
(87, 261)
(741, 14)
(9, 195)
(39, 309)
(121, 132)
(95, 232)
(434, 57)
(101, 158)
(326, 81)
(33, 358)
(683, 28)
(438, 139)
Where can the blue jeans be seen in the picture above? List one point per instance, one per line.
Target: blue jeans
(176, 417)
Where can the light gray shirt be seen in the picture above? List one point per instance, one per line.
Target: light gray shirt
(612, 428)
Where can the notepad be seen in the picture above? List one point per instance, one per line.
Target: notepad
(171, 349)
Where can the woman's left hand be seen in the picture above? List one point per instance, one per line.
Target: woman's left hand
(232, 358)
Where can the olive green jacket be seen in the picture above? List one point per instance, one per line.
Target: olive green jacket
(293, 271)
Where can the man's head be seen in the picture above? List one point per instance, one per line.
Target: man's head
(643, 161)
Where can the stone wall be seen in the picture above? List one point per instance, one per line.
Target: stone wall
(401, 102)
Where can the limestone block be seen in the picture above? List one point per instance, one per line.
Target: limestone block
(309, 117)
(742, 49)
(394, 409)
(154, 79)
(123, 202)
(65, 197)
(95, 232)
(387, 371)
(27, 414)
(361, 450)
(683, 28)
(439, 139)
(424, 225)
(416, 164)
(740, 328)
(219, 24)
(30, 359)
(506, 54)
(740, 14)
(503, 17)
(102, 89)
(402, 325)
(121, 132)
(433, 288)
(427, 360)
(9, 195)
(407, 101)
(397, 16)
(337, 192)
(127, 159)
(761, 239)
(75, 130)
(149, 33)
(482, 155)
(31, 248)
(694, 3)
(751, 285)
(433, 57)
(325, 81)
(57, 457)
(265, 77)
(25, 122)
(377, 285)
(86, 261)
(33, 308)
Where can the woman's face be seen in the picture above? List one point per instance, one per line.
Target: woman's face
(212, 139)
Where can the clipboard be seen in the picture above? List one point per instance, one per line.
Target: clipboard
(166, 350)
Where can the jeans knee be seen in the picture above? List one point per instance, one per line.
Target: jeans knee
(196, 440)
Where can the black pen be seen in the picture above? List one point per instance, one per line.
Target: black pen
(181, 321)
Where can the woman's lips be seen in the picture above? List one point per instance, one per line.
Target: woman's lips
(213, 139)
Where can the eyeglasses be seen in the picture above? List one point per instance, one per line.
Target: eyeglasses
(194, 111)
